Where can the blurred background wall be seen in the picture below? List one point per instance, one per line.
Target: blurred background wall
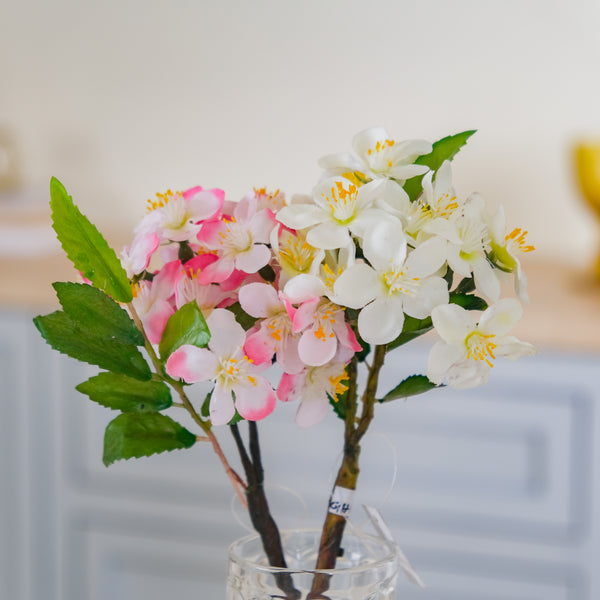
(121, 100)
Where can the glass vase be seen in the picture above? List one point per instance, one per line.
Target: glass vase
(367, 569)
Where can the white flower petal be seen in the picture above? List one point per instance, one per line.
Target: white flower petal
(452, 322)
(385, 242)
(328, 236)
(442, 357)
(300, 216)
(485, 279)
(380, 322)
(227, 335)
(433, 292)
(427, 258)
(501, 317)
(512, 348)
(356, 286)
(221, 407)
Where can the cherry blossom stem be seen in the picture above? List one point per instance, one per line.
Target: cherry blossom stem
(258, 508)
(355, 429)
(236, 481)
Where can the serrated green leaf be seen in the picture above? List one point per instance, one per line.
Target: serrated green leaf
(85, 247)
(97, 313)
(411, 386)
(185, 326)
(126, 394)
(241, 316)
(444, 149)
(133, 435)
(339, 406)
(69, 337)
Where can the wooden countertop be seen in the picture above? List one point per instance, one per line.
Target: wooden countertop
(564, 311)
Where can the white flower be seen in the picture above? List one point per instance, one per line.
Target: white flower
(505, 251)
(467, 247)
(340, 209)
(379, 156)
(394, 283)
(464, 356)
(438, 204)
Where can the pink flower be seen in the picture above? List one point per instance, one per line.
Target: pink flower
(313, 387)
(324, 330)
(177, 217)
(154, 300)
(232, 371)
(240, 241)
(275, 333)
(136, 258)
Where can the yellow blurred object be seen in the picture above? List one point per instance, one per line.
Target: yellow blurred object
(587, 169)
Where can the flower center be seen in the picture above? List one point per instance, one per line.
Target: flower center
(232, 371)
(398, 281)
(481, 347)
(161, 200)
(516, 240)
(235, 238)
(325, 318)
(342, 202)
(297, 253)
(337, 387)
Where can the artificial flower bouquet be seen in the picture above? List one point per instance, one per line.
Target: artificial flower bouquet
(319, 289)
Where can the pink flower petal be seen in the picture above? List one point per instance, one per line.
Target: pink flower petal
(192, 364)
(259, 347)
(316, 350)
(256, 400)
(260, 300)
(253, 259)
(290, 386)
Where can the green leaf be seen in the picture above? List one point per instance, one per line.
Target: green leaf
(85, 247)
(241, 316)
(98, 313)
(133, 435)
(468, 301)
(186, 326)
(123, 393)
(339, 405)
(444, 149)
(411, 386)
(93, 328)
(69, 337)
(411, 329)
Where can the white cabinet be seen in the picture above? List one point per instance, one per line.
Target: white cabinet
(496, 493)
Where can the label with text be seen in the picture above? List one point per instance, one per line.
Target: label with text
(340, 501)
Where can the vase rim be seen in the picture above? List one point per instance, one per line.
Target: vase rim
(391, 556)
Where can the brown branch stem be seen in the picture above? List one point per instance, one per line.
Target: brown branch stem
(347, 476)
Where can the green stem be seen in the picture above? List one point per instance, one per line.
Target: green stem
(236, 481)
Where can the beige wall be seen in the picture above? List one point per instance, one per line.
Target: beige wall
(120, 100)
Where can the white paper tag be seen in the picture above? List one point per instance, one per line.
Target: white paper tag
(384, 531)
(340, 502)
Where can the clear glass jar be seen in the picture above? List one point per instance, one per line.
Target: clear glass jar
(367, 570)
